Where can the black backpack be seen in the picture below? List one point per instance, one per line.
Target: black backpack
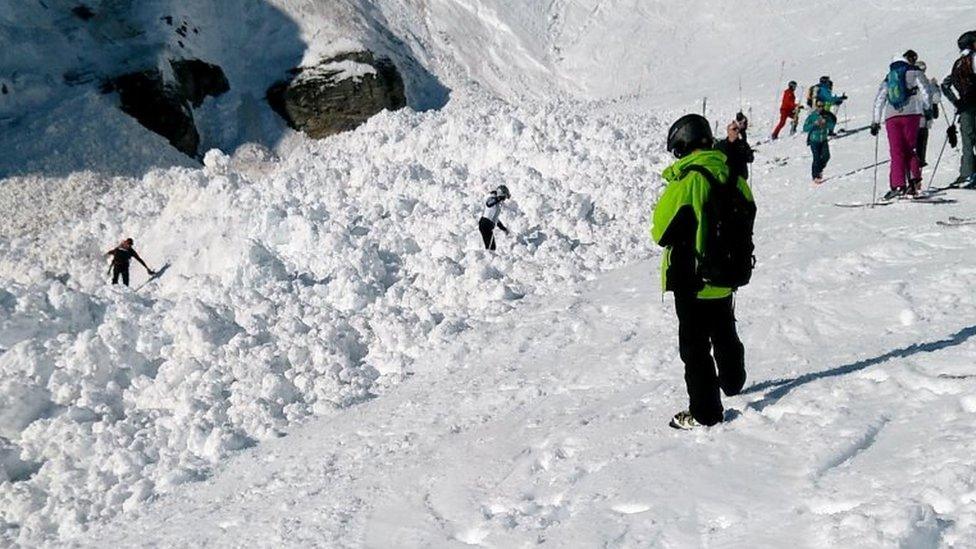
(728, 258)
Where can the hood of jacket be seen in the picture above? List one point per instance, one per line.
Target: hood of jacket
(712, 160)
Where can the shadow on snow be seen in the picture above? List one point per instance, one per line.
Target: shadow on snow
(782, 387)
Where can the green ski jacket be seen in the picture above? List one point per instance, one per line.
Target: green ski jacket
(679, 223)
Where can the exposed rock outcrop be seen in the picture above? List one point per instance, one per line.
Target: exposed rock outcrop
(165, 106)
(159, 106)
(338, 94)
(199, 79)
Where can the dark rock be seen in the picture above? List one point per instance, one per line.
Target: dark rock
(326, 99)
(165, 107)
(83, 12)
(159, 106)
(199, 79)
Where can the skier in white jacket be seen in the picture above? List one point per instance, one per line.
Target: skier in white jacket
(935, 97)
(489, 219)
(903, 100)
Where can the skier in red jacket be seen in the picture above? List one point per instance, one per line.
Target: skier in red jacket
(786, 108)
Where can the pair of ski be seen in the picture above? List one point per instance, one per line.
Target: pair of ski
(925, 197)
(954, 221)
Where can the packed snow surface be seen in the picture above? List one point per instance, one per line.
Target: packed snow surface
(330, 358)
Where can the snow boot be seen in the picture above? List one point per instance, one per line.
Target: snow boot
(685, 421)
(894, 193)
(914, 187)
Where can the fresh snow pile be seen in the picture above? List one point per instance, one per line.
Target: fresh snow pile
(296, 286)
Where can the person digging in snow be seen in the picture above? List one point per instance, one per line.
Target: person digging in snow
(693, 221)
(818, 127)
(903, 100)
(736, 147)
(787, 108)
(489, 220)
(121, 256)
(960, 88)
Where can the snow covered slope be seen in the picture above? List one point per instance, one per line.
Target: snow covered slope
(548, 426)
(328, 322)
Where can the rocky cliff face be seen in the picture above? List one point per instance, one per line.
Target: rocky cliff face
(338, 94)
(164, 104)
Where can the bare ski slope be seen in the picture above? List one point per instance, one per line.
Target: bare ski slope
(548, 425)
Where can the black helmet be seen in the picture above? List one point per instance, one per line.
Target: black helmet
(502, 191)
(690, 132)
(792, 84)
(910, 56)
(966, 40)
(824, 79)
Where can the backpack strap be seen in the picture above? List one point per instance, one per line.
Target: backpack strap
(703, 171)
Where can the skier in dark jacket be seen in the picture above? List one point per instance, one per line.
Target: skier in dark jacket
(489, 220)
(736, 147)
(960, 88)
(121, 256)
(706, 316)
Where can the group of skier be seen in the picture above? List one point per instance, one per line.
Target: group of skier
(907, 102)
(705, 215)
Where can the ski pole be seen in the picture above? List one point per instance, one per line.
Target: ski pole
(740, 93)
(935, 168)
(944, 117)
(856, 171)
(874, 190)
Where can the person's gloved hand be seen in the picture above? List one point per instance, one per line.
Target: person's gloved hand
(875, 128)
(935, 110)
(927, 113)
(952, 136)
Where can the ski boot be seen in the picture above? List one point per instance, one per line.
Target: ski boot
(893, 194)
(685, 421)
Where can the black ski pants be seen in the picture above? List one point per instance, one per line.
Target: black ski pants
(120, 271)
(821, 155)
(487, 229)
(704, 326)
(922, 145)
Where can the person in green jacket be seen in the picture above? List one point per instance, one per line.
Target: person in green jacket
(706, 318)
(818, 126)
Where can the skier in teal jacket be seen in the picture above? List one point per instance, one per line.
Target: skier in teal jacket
(818, 126)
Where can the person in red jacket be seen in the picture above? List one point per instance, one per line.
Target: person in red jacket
(786, 108)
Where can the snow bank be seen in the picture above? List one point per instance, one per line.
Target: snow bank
(296, 286)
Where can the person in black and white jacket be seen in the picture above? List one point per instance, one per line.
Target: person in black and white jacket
(489, 219)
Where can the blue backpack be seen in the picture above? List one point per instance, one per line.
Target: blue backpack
(898, 93)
